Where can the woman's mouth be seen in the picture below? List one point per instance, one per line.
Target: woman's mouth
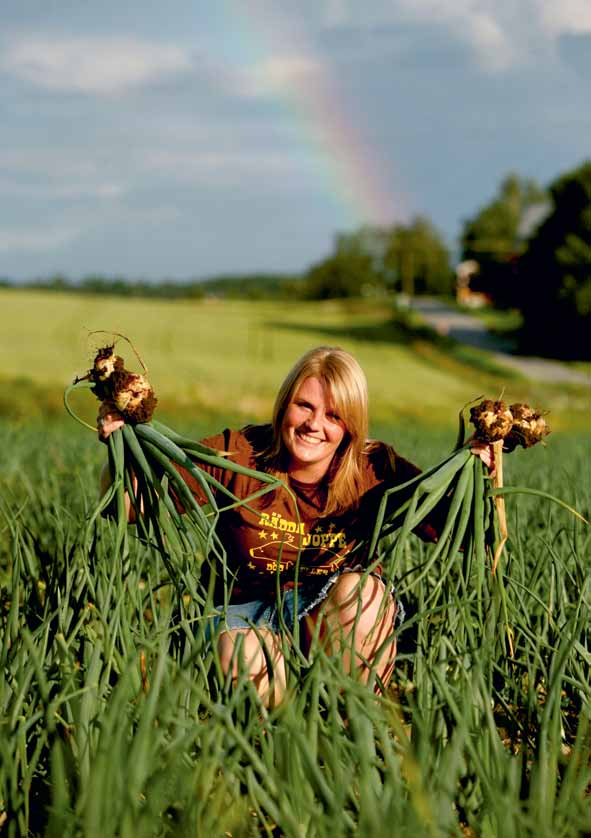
(308, 439)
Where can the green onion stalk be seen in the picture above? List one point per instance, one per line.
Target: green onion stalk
(475, 525)
(143, 459)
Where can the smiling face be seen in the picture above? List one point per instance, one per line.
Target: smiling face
(311, 431)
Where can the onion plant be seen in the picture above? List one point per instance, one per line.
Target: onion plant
(117, 720)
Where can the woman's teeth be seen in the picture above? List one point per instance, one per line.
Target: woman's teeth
(311, 440)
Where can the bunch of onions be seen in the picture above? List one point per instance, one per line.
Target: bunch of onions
(463, 478)
(515, 425)
(130, 392)
(505, 428)
(143, 458)
(475, 524)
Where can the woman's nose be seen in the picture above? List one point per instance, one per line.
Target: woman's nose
(314, 420)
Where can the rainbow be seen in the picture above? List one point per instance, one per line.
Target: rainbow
(357, 174)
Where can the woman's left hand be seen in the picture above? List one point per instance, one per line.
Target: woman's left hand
(486, 452)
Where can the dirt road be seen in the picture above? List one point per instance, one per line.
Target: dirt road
(465, 328)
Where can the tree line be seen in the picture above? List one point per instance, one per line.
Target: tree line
(247, 286)
(531, 248)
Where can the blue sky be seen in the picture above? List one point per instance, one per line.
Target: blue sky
(190, 139)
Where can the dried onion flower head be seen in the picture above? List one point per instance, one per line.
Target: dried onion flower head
(492, 420)
(529, 427)
(133, 396)
(106, 365)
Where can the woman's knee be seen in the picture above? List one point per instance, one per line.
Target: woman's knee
(244, 648)
(259, 656)
(362, 599)
(357, 618)
(235, 645)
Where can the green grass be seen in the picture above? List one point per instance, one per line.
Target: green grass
(114, 717)
(208, 358)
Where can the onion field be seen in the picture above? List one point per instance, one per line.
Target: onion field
(115, 720)
(115, 717)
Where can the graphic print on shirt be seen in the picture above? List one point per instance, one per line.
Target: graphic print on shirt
(321, 551)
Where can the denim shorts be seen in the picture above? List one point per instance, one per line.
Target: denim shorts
(266, 613)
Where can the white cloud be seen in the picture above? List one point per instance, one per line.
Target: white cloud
(501, 33)
(275, 76)
(39, 161)
(59, 174)
(335, 13)
(36, 239)
(55, 190)
(565, 17)
(221, 166)
(92, 65)
(490, 27)
(495, 50)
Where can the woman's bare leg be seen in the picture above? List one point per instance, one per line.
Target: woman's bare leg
(356, 620)
(248, 655)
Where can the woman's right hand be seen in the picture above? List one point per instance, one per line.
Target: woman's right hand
(109, 419)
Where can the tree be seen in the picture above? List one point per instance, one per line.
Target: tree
(353, 269)
(555, 272)
(371, 260)
(495, 237)
(416, 260)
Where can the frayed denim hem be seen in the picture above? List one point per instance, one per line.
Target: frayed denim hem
(324, 591)
(265, 614)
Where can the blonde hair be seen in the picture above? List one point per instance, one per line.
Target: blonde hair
(347, 386)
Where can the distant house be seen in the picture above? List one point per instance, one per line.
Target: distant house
(469, 269)
(531, 219)
(465, 295)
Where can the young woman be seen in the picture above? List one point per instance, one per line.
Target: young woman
(311, 537)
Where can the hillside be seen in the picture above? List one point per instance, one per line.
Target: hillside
(212, 358)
